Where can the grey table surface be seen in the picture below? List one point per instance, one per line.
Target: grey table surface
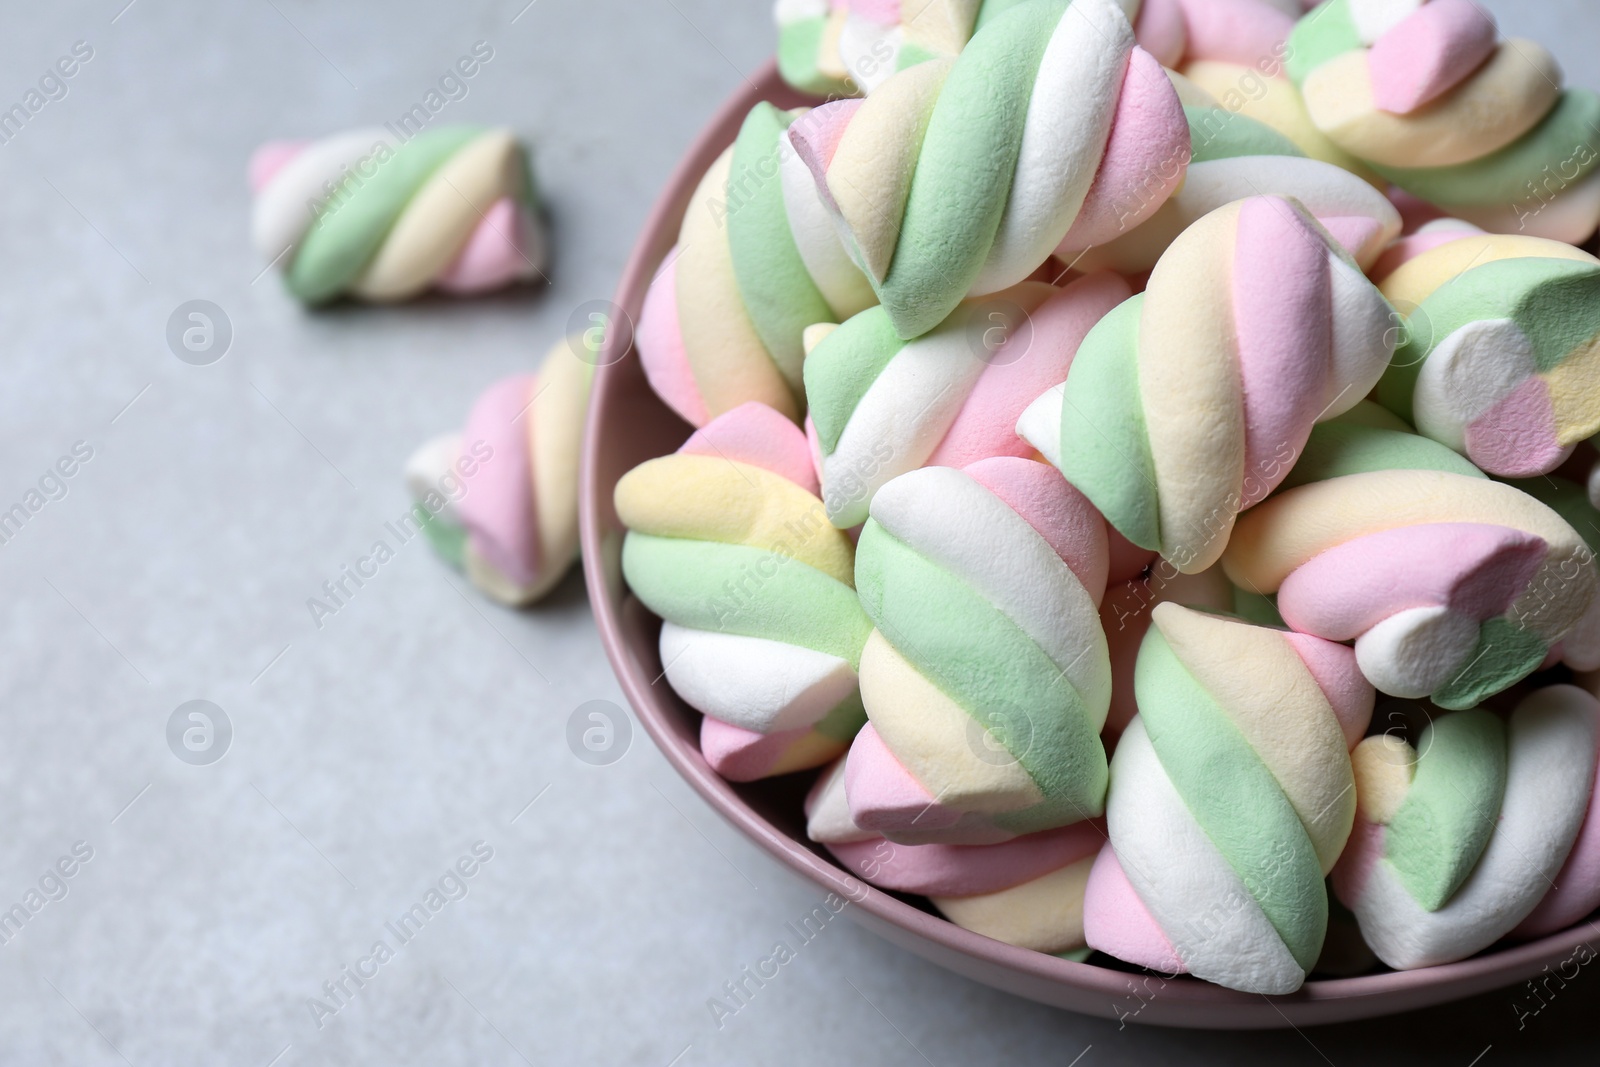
(369, 755)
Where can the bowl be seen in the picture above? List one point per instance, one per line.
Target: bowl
(627, 425)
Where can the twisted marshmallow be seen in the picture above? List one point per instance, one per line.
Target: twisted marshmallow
(1190, 402)
(1026, 892)
(356, 215)
(1453, 587)
(762, 632)
(880, 406)
(1050, 132)
(1501, 358)
(1231, 797)
(1429, 96)
(513, 526)
(1484, 828)
(757, 262)
(986, 678)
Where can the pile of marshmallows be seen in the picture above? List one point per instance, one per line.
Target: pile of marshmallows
(1095, 418)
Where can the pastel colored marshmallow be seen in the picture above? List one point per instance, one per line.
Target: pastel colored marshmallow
(1500, 357)
(499, 500)
(1192, 401)
(1452, 586)
(757, 262)
(881, 407)
(1232, 796)
(1026, 892)
(366, 216)
(1429, 96)
(762, 630)
(1461, 837)
(960, 177)
(986, 679)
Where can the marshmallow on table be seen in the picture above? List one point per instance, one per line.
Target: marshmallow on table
(1232, 796)
(1234, 157)
(881, 406)
(1501, 355)
(986, 677)
(757, 261)
(1190, 402)
(359, 215)
(1482, 829)
(761, 628)
(1026, 892)
(502, 495)
(1452, 586)
(1049, 133)
(1428, 96)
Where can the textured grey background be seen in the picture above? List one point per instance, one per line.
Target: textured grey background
(369, 755)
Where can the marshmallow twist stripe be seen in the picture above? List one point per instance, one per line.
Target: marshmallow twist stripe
(514, 527)
(356, 215)
(1459, 841)
(1190, 402)
(1235, 157)
(1026, 892)
(880, 406)
(986, 679)
(1427, 95)
(1232, 796)
(762, 631)
(757, 262)
(1452, 586)
(961, 177)
(1501, 360)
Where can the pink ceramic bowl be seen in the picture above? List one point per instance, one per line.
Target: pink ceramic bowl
(628, 425)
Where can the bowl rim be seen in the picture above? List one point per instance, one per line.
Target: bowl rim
(1084, 987)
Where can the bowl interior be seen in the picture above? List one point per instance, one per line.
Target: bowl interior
(627, 425)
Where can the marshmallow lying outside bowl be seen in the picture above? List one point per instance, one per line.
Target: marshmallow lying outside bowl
(366, 216)
(501, 495)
